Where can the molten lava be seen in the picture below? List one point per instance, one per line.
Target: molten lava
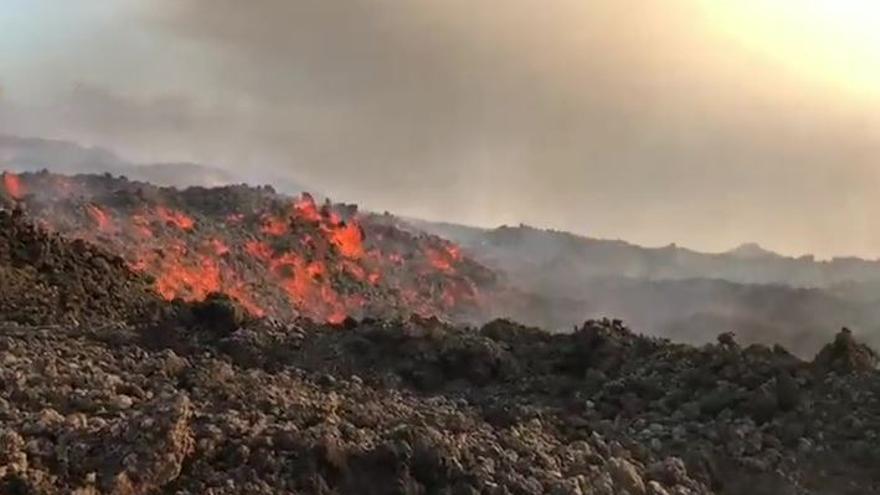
(219, 247)
(180, 278)
(101, 218)
(176, 218)
(444, 259)
(13, 185)
(274, 256)
(348, 238)
(306, 209)
(274, 226)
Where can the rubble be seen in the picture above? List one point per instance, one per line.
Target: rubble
(118, 418)
(419, 406)
(845, 355)
(46, 278)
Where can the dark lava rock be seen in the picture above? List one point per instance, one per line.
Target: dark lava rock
(845, 355)
(48, 279)
(219, 314)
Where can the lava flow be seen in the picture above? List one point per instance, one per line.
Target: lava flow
(13, 186)
(275, 256)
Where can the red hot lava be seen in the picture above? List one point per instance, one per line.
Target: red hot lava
(101, 218)
(13, 185)
(305, 208)
(276, 257)
(176, 218)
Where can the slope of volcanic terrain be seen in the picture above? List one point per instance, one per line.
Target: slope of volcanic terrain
(675, 292)
(275, 256)
(45, 278)
(108, 388)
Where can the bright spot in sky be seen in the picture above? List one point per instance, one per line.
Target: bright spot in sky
(834, 42)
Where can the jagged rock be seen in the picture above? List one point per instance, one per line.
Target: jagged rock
(845, 355)
(626, 477)
(45, 279)
(787, 391)
(219, 314)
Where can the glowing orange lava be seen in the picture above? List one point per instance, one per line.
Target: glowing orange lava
(13, 185)
(440, 260)
(283, 259)
(239, 294)
(176, 218)
(181, 279)
(259, 250)
(141, 226)
(219, 247)
(349, 239)
(101, 217)
(306, 209)
(274, 226)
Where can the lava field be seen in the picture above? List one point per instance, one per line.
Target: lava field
(275, 256)
(234, 341)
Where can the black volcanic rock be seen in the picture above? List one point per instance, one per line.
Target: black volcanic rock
(48, 279)
(317, 409)
(845, 355)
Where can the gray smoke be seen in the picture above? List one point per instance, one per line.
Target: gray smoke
(614, 119)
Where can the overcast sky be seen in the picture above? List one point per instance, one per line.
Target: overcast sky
(702, 122)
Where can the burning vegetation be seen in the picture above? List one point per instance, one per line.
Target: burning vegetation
(274, 255)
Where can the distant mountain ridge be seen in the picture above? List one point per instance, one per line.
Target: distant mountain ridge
(532, 252)
(752, 250)
(22, 154)
(676, 292)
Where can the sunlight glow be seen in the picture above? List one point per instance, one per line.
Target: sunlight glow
(832, 42)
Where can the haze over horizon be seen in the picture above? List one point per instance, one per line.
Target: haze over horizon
(705, 124)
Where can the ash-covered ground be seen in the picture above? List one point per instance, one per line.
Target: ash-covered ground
(107, 387)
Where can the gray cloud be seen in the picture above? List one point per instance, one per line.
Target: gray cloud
(622, 119)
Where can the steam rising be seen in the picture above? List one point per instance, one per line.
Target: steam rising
(629, 119)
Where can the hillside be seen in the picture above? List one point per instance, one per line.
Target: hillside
(673, 292)
(112, 384)
(274, 255)
(20, 154)
(531, 253)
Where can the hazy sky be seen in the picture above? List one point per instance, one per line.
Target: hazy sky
(701, 122)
